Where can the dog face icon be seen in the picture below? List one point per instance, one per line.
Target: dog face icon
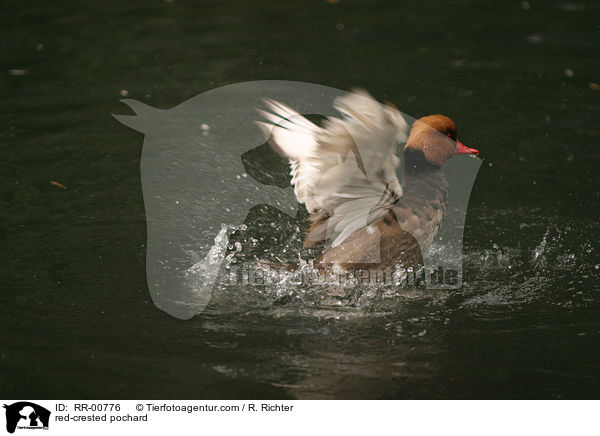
(28, 414)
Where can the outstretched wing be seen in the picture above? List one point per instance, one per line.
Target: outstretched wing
(345, 171)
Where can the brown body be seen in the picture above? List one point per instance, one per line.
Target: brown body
(411, 224)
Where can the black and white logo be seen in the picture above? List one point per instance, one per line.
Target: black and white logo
(26, 415)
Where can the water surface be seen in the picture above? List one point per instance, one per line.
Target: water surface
(517, 77)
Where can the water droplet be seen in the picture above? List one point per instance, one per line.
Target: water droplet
(536, 38)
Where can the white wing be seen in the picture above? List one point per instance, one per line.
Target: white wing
(345, 169)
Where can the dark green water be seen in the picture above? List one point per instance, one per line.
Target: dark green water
(77, 321)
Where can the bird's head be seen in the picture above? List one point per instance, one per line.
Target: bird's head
(435, 137)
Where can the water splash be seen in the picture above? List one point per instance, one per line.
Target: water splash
(515, 272)
(203, 274)
(538, 259)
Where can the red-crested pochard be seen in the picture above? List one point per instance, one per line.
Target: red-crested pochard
(345, 174)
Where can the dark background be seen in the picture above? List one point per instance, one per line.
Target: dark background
(522, 82)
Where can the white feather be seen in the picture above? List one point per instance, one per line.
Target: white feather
(346, 168)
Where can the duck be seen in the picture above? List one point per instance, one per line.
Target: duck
(345, 172)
